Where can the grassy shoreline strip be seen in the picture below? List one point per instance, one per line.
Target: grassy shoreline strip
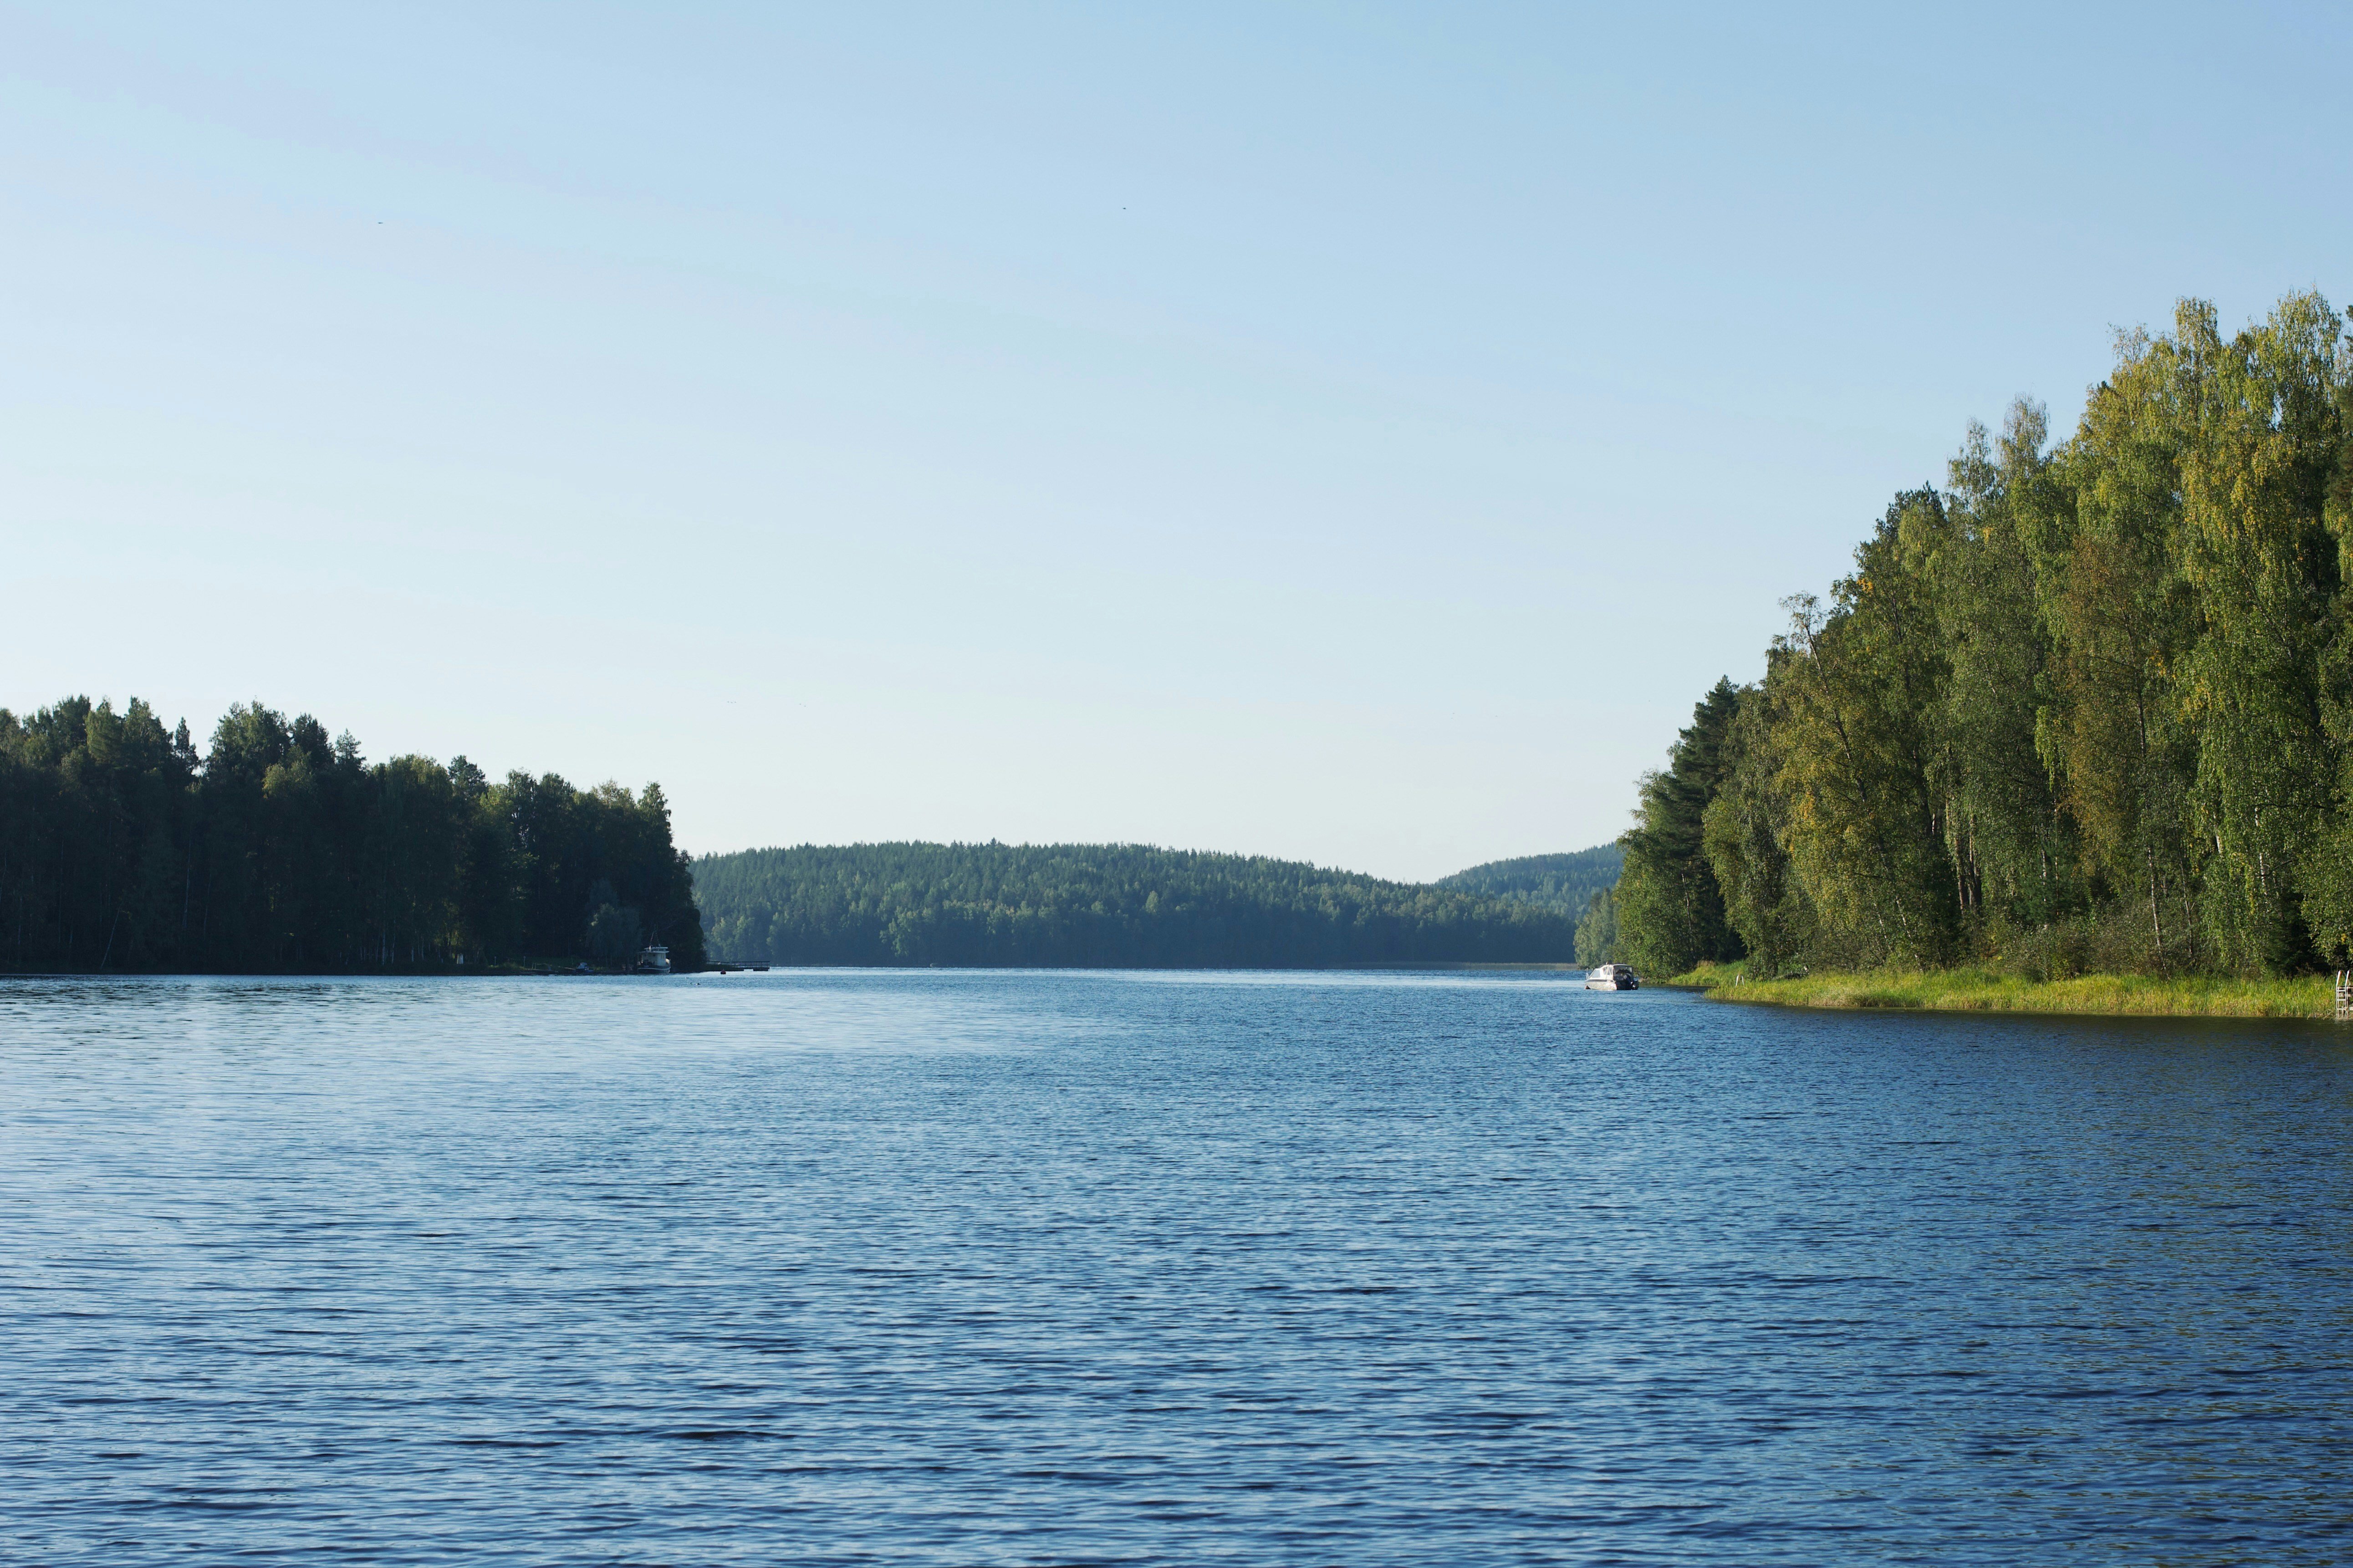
(1983, 991)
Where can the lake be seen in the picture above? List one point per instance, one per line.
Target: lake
(967, 1267)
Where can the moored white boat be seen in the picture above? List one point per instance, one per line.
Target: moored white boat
(1612, 977)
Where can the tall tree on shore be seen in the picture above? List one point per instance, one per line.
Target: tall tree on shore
(1669, 911)
(1765, 902)
(2264, 437)
(1859, 688)
(2012, 851)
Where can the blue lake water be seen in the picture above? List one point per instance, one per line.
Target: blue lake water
(964, 1269)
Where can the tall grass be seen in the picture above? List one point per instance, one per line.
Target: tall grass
(1979, 990)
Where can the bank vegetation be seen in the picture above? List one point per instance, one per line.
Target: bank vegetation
(1973, 990)
(2086, 710)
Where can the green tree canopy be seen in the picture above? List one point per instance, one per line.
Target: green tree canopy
(280, 849)
(2090, 705)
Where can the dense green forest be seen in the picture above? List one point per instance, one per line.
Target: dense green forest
(1096, 906)
(2088, 707)
(1577, 885)
(277, 850)
(1563, 883)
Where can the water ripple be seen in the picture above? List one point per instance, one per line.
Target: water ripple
(1076, 1268)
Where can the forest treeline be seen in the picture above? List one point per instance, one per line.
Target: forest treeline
(1096, 906)
(277, 850)
(2087, 707)
(1563, 883)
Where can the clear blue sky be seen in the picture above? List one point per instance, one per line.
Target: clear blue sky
(1351, 433)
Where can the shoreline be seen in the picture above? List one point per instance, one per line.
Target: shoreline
(2311, 997)
(519, 971)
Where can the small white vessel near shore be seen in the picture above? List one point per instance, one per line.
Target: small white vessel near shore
(1612, 977)
(654, 961)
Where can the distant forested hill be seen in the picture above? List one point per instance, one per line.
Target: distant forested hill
(1564, 883)
(1096, 906)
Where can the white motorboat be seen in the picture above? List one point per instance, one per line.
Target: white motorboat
(1612, 977)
